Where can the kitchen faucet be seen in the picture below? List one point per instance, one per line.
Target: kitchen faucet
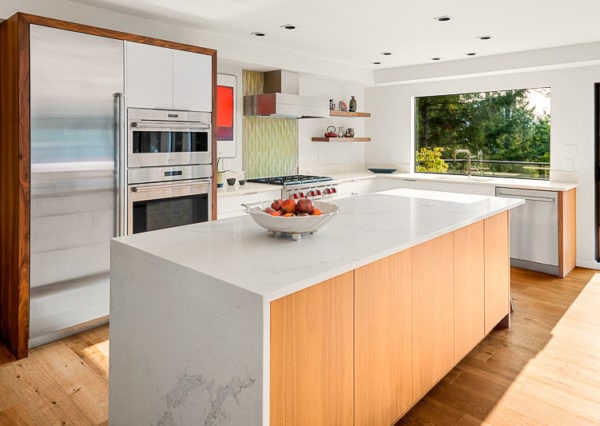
(464, 151)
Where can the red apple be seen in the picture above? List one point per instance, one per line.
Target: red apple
(277, 204)
(304, 205)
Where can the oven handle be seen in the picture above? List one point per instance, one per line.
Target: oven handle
(191, 125)
(169, 186)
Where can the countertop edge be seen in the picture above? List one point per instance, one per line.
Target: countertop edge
(302, 284)
(542, 185)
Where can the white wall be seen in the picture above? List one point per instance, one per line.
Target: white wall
(329, 157)
(572, 129)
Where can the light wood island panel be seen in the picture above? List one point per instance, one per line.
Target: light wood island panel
(497, 270)
(469, 289)
(433, 312)
(312, 355)
(364, 347)
(382, 340)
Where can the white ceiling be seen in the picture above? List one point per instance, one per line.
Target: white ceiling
(356, 32)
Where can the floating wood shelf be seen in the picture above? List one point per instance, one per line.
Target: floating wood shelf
(348, 114)
(341, 139)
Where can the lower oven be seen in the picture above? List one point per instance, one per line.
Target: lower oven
(171, 202)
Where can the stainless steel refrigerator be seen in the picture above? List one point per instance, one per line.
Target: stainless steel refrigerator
(75, 130)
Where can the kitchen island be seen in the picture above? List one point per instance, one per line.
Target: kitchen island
(221, 323)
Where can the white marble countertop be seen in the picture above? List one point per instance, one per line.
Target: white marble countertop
(475, 180)
(368, 228)
(252, 188)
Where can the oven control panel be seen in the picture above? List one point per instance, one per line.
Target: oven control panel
(314, 191)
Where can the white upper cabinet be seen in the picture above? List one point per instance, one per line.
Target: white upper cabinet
(157, 77)
(192, 81)
(148, 76)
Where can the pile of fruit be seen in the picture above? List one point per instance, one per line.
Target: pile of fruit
(291, 207)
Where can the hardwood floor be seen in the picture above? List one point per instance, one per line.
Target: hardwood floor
(62, 383)
(544, 370)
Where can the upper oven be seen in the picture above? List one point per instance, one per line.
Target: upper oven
(163, 138)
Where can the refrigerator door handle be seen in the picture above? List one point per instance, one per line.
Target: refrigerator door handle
(120, 168)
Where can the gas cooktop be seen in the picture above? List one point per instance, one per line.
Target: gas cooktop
(290, 180)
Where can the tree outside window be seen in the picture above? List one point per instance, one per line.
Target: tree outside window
(505, 133)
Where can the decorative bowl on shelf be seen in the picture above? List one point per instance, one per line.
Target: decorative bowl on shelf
(294, 226)
(376, 170)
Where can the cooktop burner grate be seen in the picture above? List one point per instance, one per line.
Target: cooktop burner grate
(290, 180)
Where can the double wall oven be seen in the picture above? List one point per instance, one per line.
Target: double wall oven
(169, 169)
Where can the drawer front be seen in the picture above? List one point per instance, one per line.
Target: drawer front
(231, 206)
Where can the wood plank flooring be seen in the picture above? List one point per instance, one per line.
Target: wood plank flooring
(544, 370)
(61, 383)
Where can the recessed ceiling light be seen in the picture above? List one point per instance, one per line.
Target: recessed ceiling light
(435, 59)
(376, 63)
(484, 37)
(471, 54)
(444, 18)
(288, 27)
(258, 34)
(386, 53)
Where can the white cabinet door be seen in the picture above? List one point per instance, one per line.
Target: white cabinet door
(157, 77)
(148, 76)
(192, 81)
(231, 205)
(384, 184)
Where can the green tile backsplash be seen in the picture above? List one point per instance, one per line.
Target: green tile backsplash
(270, 145)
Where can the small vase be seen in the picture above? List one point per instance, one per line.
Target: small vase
(331, 105)
(352, 104)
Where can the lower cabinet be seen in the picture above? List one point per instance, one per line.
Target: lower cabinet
(362, 348)
(497, 270)
(230, 205)
(382, 340)
(312, 358)
(469, 288)
(433, 313)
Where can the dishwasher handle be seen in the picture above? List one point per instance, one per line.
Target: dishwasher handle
(528, 197)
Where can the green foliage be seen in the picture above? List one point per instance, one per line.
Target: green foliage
(430, 160)
(499, 125)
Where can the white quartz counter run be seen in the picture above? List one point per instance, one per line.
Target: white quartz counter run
(246, 189)
(368, 228)
(544, 185)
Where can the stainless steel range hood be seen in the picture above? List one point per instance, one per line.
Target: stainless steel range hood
(281, 99)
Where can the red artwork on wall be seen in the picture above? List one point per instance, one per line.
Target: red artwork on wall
(224, 113)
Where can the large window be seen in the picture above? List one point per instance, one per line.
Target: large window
(502, 134)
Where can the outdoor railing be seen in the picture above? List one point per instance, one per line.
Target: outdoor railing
(498, 168)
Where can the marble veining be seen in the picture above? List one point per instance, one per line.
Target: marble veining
(213, 414)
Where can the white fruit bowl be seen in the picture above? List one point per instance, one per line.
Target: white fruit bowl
(294, 226)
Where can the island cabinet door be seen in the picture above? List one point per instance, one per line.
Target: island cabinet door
(433, 313)
(312, 355)
(497, 270)
(468, 289)
(382, 345)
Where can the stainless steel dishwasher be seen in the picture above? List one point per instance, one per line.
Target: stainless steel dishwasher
(533, 229)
